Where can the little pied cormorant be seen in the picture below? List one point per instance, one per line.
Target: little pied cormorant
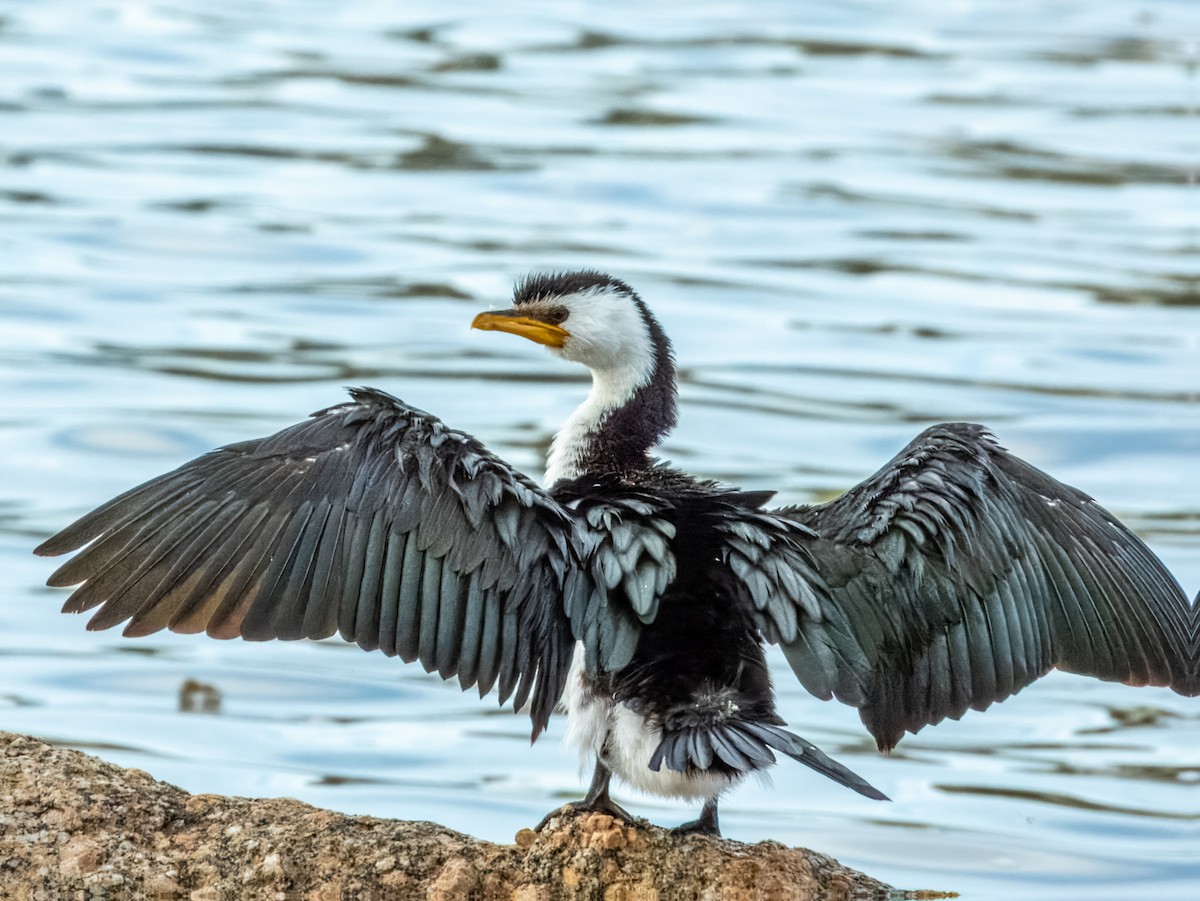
(949, 580)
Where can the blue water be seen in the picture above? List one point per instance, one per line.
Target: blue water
(854, 219)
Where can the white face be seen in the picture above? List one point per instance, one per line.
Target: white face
(607, 332)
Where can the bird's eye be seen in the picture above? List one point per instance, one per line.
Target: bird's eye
(557, 315)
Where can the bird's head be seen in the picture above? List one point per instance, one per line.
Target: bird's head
(597, 320)
(586, 317)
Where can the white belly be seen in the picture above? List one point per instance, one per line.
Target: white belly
(624, 741)
(587, 713)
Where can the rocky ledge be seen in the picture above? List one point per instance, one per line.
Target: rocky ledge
(73, 826)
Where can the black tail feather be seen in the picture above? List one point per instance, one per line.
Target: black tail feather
(746, 746)
(810, 755)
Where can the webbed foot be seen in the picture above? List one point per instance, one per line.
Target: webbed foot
(706, 824)
(601, 805)
(597, 801)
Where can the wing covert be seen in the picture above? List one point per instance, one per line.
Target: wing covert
(625, 539)
(372, 519)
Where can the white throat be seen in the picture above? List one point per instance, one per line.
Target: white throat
(610, 337)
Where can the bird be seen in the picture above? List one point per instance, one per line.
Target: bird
(634, 595)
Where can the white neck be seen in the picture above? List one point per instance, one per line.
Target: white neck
(611, 389)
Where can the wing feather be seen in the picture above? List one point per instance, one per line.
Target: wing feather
(371, 592)
(372, 519)
(489, 647)
(448, 640)
(181, 590)
(349, 564)
(957, 575)
(320, 619)
(472, 628)
(431, 600)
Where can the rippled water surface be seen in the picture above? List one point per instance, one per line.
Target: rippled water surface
(854, 219)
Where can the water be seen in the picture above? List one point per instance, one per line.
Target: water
(854, 219)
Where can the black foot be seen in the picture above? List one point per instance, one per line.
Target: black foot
(597, 801)
(600, 805)
(706, 825)
(697, 827)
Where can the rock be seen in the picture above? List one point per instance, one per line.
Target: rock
(75, 826)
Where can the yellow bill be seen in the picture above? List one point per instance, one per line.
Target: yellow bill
(526, 326)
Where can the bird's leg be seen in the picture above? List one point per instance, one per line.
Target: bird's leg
(596, 801)
(705, 825)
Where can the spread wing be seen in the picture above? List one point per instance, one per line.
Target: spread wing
(958, 574)
(372, 519)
